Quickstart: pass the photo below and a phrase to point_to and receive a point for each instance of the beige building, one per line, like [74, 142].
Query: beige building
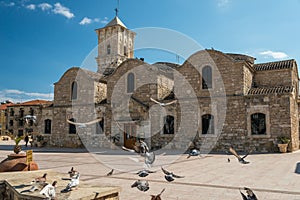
[217, 99]
[3, 117]
[17, 122]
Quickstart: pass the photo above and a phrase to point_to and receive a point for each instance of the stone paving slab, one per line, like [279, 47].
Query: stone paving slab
[271, 176]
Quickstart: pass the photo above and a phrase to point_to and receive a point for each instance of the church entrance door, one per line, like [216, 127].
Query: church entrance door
[129, 135]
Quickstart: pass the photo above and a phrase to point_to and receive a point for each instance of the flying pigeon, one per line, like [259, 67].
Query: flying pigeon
[163, 104]
[110, 173]
[144, 172]
[240, 159]
[29, 117]
[142, 185]
[49, 190]
[194, 152]
[157, 197]
[83, 125]
[169, 176]
[38, 183]
[250, 194]
[143, 150]
[149, 158]
[74, 182]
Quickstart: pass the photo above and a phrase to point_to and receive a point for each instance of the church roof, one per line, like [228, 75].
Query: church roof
[36, 102]
[91, 74]
[108, 71]
[241, 57]
[115, 21]
[284, 64]
[271, 90]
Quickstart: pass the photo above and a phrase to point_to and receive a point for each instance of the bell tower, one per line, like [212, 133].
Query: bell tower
[115, 44]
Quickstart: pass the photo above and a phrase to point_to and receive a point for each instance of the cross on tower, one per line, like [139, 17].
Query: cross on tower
[117, 9]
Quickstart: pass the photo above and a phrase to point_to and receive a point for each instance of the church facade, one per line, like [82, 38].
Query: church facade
[214, 99]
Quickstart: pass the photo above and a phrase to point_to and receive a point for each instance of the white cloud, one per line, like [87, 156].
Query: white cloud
[275, 55]
[12, 91]
[61, 10]
[104, 21]
[44, 6]
[85, 20]
[22, 96]
[223, 3]
[30, 7]
[10, 4]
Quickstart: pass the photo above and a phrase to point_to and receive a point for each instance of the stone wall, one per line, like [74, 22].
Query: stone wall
[274, 78]
[227, 101]
[248, 75]
[26, 127]
[294, 145]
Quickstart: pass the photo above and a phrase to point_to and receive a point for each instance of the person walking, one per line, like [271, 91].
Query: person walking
[26, 139]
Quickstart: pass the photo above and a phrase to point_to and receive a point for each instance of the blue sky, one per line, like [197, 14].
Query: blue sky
[40, 40]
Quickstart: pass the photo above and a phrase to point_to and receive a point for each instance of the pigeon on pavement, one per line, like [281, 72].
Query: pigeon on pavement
[194, 152]
[38, 183]
[49, 190]
[250, 194]
[240, 159]
[74, 182]
[110, 173]
[144, 172]
[169, 176]
[142, 185]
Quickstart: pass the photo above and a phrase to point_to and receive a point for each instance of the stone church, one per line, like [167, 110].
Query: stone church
[215, 99]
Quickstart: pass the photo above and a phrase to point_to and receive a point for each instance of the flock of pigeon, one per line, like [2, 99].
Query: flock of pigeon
[149, 157]
[48, 190]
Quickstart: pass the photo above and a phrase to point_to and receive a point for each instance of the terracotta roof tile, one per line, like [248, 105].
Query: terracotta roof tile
[32, 103]
[4, 106]
[271, 90]
[284, 64]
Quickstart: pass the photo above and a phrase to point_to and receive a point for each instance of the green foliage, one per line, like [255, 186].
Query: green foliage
[18, 140]
[283, 140]
[39, 138]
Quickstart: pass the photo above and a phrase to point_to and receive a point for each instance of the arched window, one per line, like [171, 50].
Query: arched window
[206, 77]
[108, 49]
[72, 127]
[258, 124]
[168, 125]
[31, 111]
[47, 126]
[74, 88]
[125, 51]
[12, 112]
[130, 83]
[208, 124]
[100, 127]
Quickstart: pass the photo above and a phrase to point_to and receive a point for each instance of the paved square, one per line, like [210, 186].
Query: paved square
[271, 176]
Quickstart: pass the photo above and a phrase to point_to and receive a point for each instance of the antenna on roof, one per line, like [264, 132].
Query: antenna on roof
[117, 9]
